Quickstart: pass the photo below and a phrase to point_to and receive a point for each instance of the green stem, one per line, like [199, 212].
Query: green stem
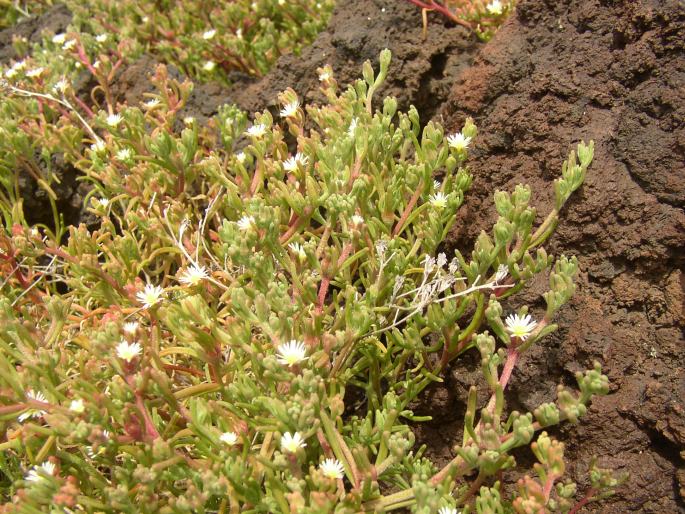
[544, 230]
[197, 390]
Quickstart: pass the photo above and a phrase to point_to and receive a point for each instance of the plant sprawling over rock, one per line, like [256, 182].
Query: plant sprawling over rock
[198, 347]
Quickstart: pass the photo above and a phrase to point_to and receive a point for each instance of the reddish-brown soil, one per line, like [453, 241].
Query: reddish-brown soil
[557, 72]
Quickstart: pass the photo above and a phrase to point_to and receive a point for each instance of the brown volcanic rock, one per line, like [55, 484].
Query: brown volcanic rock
[612, 71]
[422, 69]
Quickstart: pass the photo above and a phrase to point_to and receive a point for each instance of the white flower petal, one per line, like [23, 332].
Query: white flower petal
[245, 223]
[520, 326]
[229, 438]
[150, 296]
[37, 472]
[194, 275]
[127, 351]
[458, 141]
[292, 352]
[290, 109]
[292, 442]
[438, 200]
[332, 468]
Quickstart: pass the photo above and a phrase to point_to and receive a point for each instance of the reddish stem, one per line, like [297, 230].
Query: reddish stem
[294, 225]
[64, 112]
[326, 281]
[355, 172]
[84, 59]
[547, 490]
[512, 357]
[10, 409]
[114, 69]
[258, 177]
[84, 106]
[408, 209]
[586, 499]
[17, 271]
[433, 6]
[150, 429]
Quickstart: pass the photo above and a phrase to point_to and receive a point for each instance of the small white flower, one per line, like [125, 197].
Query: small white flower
[357, 220]
[302, 158]
[292, 163]
[209, 34]
[290, 109]
[241, 157]
[36, 473]
[448, 510]
[33, 413]
[292, 442]
[257, 130]
[495, 7]
[209, 66]
[520, 326]
[239, 33]
[68, 45]
[245, 223]
[150, 295]
[292, 352]
[98, 146]
[193, 275]
[229, 438]
[102, 202]
[35, 72]
[188, 120]
[436, 184]
[19, 65]
[442, 260]
[458, 141]
[352, 127]
[96, 64]
[94, 454]
[145, 19]
[131, 327]
[324, 76]
[438, 200]
[101, 38]
[61, 86]
[298, 250]
[332, 468]
[113, 120]
[11, 73]
[128, 351]
[77, 406]
[151, 103]
[124, 154]
[59, 39]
